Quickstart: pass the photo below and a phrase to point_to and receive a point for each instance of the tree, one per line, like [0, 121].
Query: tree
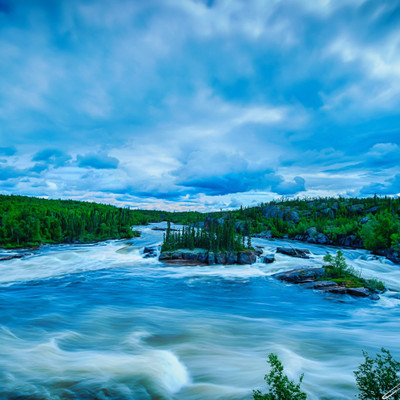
[377, 376]
[280, 386]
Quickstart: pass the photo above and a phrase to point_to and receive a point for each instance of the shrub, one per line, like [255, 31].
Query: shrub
[375, 377]
[280, 386]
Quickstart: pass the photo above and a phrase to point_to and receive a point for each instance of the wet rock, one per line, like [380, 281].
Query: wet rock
[211, 258]
[220, 258]
[11, 257]
[319, 285]
[269, 258]
[258, 251]
[263, 235]
[231, 257]
[391, 254]
[291, 251]
[301, 275]
[246, 257]
[149, 250]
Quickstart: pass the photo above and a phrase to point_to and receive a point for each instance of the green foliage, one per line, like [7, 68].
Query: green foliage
[376, 376]
[29, 221]
[215, 237]
[338, 271]
[280, 386]
[381, 232]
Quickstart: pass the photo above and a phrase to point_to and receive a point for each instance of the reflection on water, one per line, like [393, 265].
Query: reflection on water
[100, 321]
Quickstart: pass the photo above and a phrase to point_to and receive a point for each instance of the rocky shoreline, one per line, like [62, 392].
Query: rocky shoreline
[314, 278]
[205, 257]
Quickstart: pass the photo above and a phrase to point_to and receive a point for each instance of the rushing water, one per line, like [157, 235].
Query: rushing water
[102, 322]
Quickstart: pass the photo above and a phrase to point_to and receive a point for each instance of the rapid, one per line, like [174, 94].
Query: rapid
[100, 321]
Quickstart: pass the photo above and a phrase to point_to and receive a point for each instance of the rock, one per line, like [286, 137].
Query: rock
[11, 257]
[373, 210]
[211, 258]
[291, 251]
[292, 216]
[359, 292]
[319, 285]
[150, 255]
[246, 257]
[269, 258]
[350, 241]
[391, 254]
[149, 250]
[203, 256]
[263, 235]
[328, 212]
[356, 208]
[220, 258]
[258, 251]
[364, 220]
[335, 206]
[231, 257]
[272, 212]
[300, 275]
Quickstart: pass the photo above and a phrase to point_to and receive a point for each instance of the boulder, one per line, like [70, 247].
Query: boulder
[220, 258]
[319, 285]
[263, 235]
[328, 212]
[356, 208]
[292, 216]
[258, 251]
[291, 251]
[149, 250]
[272, 212]
[373, 210]
[269, 258]
[231, 257]
[301, 275]
[211, 258]
[364, 220]
[246, 257]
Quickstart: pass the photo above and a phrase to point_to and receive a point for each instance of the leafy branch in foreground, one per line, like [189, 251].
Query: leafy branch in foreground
[376, 377]
[280, 386]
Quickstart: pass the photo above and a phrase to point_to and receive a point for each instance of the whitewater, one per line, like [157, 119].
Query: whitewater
[101, 321]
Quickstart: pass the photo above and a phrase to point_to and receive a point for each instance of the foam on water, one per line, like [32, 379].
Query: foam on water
[101, 321]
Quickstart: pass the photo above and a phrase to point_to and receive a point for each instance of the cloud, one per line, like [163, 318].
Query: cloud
[54, 157]
[97, 161]
[7, 172]
[7, 151]
[389, 186]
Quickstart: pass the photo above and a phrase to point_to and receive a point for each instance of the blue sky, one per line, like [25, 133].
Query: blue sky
[195, 104]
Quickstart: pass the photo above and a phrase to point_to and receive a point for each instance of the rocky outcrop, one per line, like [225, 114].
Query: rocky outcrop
[391, 254]
[263, 235]
[11, 257]
[309, 278]
[150, 252]
[293, 252]
[311, 235]
[285, 213]
[205, 257]
[269, 258]
[301, 275]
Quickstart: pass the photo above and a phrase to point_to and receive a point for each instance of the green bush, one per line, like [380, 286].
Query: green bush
[376, 377]
[280, 386]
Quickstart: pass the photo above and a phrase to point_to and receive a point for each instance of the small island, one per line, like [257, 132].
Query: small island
[216, 244]
[334, 277]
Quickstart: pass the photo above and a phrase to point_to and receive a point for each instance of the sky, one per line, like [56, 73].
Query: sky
[199, 104]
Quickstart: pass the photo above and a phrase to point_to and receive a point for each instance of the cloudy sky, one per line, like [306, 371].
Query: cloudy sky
[199, 104]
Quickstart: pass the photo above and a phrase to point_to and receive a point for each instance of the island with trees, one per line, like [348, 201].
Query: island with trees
[214, 244]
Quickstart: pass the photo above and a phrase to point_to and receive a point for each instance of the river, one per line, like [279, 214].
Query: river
[102, 322]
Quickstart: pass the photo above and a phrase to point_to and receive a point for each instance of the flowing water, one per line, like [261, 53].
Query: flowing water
[103, 322]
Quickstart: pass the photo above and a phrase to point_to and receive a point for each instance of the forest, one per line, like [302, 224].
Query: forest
[373, 222]
[29, 221]
[213, 237]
